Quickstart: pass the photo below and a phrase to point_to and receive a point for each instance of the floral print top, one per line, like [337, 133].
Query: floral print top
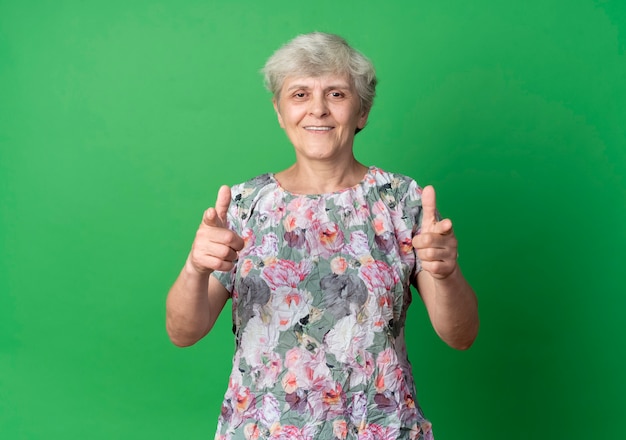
[319, 299]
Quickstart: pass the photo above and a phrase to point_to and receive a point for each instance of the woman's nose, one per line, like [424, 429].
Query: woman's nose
[318, 107]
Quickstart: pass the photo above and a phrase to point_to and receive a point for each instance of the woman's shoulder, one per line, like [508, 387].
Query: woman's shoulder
[246, 195]
[391, 180]
[256, 183]
[253, 188]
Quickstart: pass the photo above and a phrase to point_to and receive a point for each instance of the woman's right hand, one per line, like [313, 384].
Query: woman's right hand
[215, 247]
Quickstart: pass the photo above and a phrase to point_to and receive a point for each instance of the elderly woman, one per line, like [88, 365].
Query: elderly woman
[318, 260]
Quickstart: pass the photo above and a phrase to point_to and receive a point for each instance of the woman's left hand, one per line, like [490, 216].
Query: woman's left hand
[435, 243]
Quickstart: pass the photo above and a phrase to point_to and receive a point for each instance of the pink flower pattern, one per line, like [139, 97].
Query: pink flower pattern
[319, 297]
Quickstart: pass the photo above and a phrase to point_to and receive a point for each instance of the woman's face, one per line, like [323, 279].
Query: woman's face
[320, 116]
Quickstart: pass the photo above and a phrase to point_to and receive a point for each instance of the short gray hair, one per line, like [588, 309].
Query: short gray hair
[317, 54]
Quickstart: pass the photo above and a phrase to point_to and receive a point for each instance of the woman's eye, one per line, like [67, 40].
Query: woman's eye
[336, 94]
[299, 95]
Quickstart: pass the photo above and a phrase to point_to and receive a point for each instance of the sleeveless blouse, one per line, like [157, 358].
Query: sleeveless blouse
[319, 300]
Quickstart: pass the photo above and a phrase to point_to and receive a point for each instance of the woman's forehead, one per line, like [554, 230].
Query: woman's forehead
[322, 81]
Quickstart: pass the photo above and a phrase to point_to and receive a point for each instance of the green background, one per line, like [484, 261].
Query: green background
[120, 119]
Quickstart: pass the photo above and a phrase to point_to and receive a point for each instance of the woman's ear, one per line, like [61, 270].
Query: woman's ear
[363, 118]
[277, 110]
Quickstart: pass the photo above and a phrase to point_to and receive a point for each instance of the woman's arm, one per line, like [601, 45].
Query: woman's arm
[451, 303]
[196, 299]
[193, 305]
[452, 307]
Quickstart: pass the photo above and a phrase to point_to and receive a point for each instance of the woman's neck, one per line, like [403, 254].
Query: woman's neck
[321, 177]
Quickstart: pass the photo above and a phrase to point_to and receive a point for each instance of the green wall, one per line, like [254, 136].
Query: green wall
[120, 119]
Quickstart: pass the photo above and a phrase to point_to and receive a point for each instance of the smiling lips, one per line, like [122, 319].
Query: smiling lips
[317, 128]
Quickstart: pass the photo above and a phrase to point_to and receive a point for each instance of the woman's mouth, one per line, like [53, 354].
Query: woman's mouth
[318, 128]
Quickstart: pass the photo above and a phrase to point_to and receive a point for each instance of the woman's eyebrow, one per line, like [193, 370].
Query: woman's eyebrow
[297, 86]
[341, 86]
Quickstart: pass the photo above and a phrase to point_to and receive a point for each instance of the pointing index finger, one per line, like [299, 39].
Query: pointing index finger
[216, 216]
[222, 202]
[429, 206]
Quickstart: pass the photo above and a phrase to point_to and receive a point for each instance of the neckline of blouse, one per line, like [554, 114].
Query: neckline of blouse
[367, 178]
